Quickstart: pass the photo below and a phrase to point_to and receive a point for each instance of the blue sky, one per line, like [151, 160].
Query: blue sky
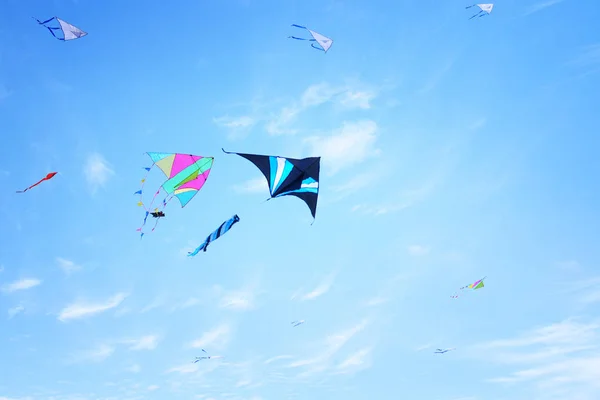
[451, 150]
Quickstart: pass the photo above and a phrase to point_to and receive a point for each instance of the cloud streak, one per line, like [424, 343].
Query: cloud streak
[559, 358]
[97, 171]
[22, 284]
[347, 146]
[82, 310]
[541, 6]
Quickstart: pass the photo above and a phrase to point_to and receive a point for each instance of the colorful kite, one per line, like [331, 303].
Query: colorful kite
[475, 285]
[225, 226]
[442, 351]
[296, 323]
[289, 176]
[49, 176]
[186, 174]
[324, 43]
[484, 9]
[69, 32]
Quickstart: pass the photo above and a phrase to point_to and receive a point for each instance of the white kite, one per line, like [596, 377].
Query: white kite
[324, 43]
[485, 9]
[69, 31]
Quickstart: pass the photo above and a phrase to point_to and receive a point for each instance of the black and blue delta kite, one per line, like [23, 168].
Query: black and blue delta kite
[289, 176]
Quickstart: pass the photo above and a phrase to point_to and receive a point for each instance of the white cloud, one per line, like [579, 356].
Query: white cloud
[332, 345]
[15, 310]
[135, 368]
[255, 185]
[435, 79]
[4, 92]
[406, 199]
[238, 126]
[376, 301]
[239, 122]
[217, 337]
[555, 359]
[238, 300]
[355, 362]
[418, 250]
[97, 171]
[184, 369]
[22, 284]
[100, 353]
[322, 288]
[357, 99]
[541, 6]
[67, 266]
[273, 359]
[346, 147]
[315, 95]
[148, 342]
[152, 388]
[80, 310]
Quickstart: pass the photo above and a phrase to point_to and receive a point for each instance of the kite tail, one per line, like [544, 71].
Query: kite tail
[51, 29]
[478, 14]
[315, 47]
[34, 185]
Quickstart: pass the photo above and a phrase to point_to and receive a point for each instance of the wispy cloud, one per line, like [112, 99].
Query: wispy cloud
[238, 127]
[564, 357]
[586, 291]
[418, 250]
[255, 185]
[67, 266]
[15, 310]
[22, 284]
[406, 199]
[315, 95]
[81, 309]
[148, 342]
[322, 288]
[331, 346]
[355, 362]
[541, 6]
[184, 369]
[134, 368]
[97, 171]
[4, 92]
[217, 337]
[98, 354]
[435, 79]
[346, 147]
[241, 300]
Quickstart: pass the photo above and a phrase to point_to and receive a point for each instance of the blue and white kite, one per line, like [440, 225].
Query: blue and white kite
[442, 351]
[225, 226]
[323, 42]
[69, 32]
[484, 9]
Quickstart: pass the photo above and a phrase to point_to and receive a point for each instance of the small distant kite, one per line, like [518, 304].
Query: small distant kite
[69, 32]
[289, 176]
[296, 323]
[186, 175]
[205, 357]
[225, 226]
[475, 285]
[324, 43]
[49, 176]
[442, 351]
[484, 9]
